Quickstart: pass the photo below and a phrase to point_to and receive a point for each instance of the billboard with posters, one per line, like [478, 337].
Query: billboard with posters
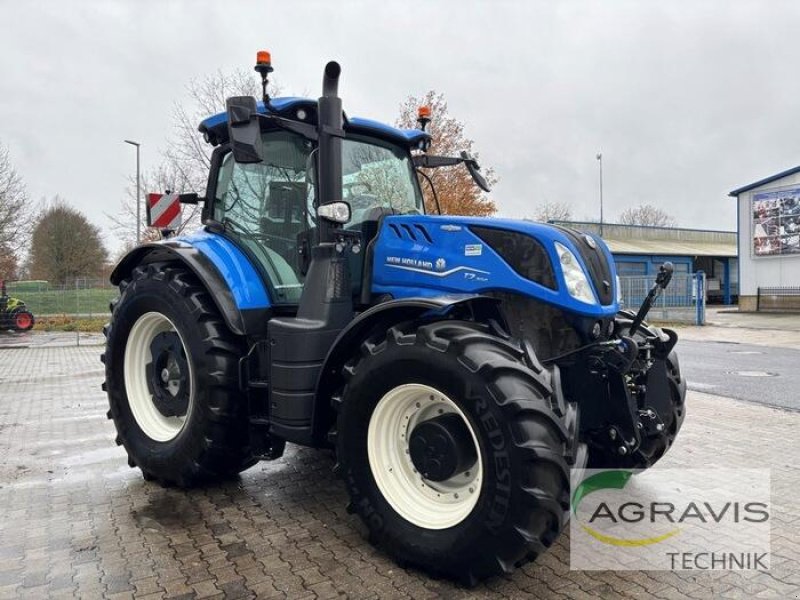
[776, 223]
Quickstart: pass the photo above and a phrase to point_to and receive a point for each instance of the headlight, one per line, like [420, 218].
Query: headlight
[577, 284]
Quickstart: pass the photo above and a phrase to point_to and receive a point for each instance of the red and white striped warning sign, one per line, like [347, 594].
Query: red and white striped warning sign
[164, 211]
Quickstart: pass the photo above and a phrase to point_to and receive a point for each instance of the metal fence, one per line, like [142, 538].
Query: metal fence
[678, 303]
[83, 297]
[778, 298]
[86, 297]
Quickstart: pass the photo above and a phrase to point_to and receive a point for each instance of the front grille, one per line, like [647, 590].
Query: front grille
[523, 253]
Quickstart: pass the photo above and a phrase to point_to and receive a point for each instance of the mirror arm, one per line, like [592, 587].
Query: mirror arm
[307, 131]
[191, 198]
[429, 161]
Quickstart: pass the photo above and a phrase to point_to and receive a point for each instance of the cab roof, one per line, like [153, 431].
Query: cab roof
[215, 127]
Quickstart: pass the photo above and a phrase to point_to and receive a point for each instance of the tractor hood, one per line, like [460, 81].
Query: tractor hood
[426, 255]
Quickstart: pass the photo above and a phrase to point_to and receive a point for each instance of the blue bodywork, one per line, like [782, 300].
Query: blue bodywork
[442, 257]
[455, 260]
[244, 282]
[216, 126]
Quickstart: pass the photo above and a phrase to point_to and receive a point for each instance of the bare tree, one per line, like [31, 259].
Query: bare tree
[458, 194]
[16, 216]
[552, 211]
[9, 265]
[647, 214]
[65, 245]
[185, 162]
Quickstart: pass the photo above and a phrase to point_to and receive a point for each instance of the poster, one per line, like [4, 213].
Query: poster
[776, 223]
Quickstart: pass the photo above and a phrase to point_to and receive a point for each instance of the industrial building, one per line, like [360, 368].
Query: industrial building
[639, 250]
[769, 242]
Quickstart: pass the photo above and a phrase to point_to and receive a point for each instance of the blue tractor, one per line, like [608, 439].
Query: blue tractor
[458, 367]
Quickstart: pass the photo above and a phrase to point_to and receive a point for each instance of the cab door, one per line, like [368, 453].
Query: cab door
[267, 208]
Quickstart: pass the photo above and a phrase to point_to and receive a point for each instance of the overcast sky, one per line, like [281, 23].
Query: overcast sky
[686, 100]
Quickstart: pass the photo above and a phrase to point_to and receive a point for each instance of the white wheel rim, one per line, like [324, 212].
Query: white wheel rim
[427, 504]
[155, 425]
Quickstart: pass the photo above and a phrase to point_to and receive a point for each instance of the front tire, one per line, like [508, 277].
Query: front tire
[172, 380]
[498, 501]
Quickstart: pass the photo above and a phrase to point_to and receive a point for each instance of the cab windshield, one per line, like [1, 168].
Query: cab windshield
[270, 205]
[378, 176]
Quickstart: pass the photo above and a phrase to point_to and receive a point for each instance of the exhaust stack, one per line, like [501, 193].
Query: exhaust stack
[329, 157]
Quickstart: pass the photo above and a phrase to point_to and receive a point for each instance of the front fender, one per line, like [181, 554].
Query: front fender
[223, 269]
[383, 316]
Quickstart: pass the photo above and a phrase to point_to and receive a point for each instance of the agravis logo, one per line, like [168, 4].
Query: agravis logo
[671, 517]
[610, 480]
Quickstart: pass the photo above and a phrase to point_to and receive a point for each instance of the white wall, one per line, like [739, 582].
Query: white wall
[763, 271]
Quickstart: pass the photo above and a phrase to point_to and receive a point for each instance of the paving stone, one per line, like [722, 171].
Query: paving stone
[78, 522]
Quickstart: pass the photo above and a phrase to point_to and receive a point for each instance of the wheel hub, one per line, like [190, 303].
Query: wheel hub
[166, 374]
[440, 484]
[441, 447]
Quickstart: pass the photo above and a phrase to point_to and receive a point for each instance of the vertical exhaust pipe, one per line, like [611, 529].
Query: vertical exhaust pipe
[327, 298]
[330, 79]
[329, 157]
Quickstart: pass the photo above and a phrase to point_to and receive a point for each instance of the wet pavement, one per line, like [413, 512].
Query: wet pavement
[76, 521]
[49, 339]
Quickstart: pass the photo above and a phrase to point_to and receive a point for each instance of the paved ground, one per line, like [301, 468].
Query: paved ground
[76, 521]
[729, 316]
[780, 330]
[48, 339]
[762, 374]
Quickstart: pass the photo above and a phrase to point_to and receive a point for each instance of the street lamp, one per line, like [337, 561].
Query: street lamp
[600, 160]
[138, 194]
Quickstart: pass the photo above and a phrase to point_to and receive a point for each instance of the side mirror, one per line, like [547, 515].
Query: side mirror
[243, 129]
[474, 170]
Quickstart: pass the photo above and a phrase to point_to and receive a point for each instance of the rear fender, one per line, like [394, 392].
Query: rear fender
[382, 317]
[238, 293]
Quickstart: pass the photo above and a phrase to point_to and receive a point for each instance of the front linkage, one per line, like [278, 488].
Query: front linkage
[630, 389]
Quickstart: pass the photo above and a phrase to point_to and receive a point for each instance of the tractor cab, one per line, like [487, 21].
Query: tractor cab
[269, 208]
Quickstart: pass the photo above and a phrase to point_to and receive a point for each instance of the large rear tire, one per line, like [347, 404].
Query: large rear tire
[506, 499]
[172, 380]
[22, 319]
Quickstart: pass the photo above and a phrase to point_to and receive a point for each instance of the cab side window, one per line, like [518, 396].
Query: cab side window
[267, 205]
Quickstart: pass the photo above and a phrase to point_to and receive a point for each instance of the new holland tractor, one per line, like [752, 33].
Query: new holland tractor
[459, 367]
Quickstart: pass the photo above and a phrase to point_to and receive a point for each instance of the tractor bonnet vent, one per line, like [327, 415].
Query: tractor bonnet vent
[411, 231]
[523, 253]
